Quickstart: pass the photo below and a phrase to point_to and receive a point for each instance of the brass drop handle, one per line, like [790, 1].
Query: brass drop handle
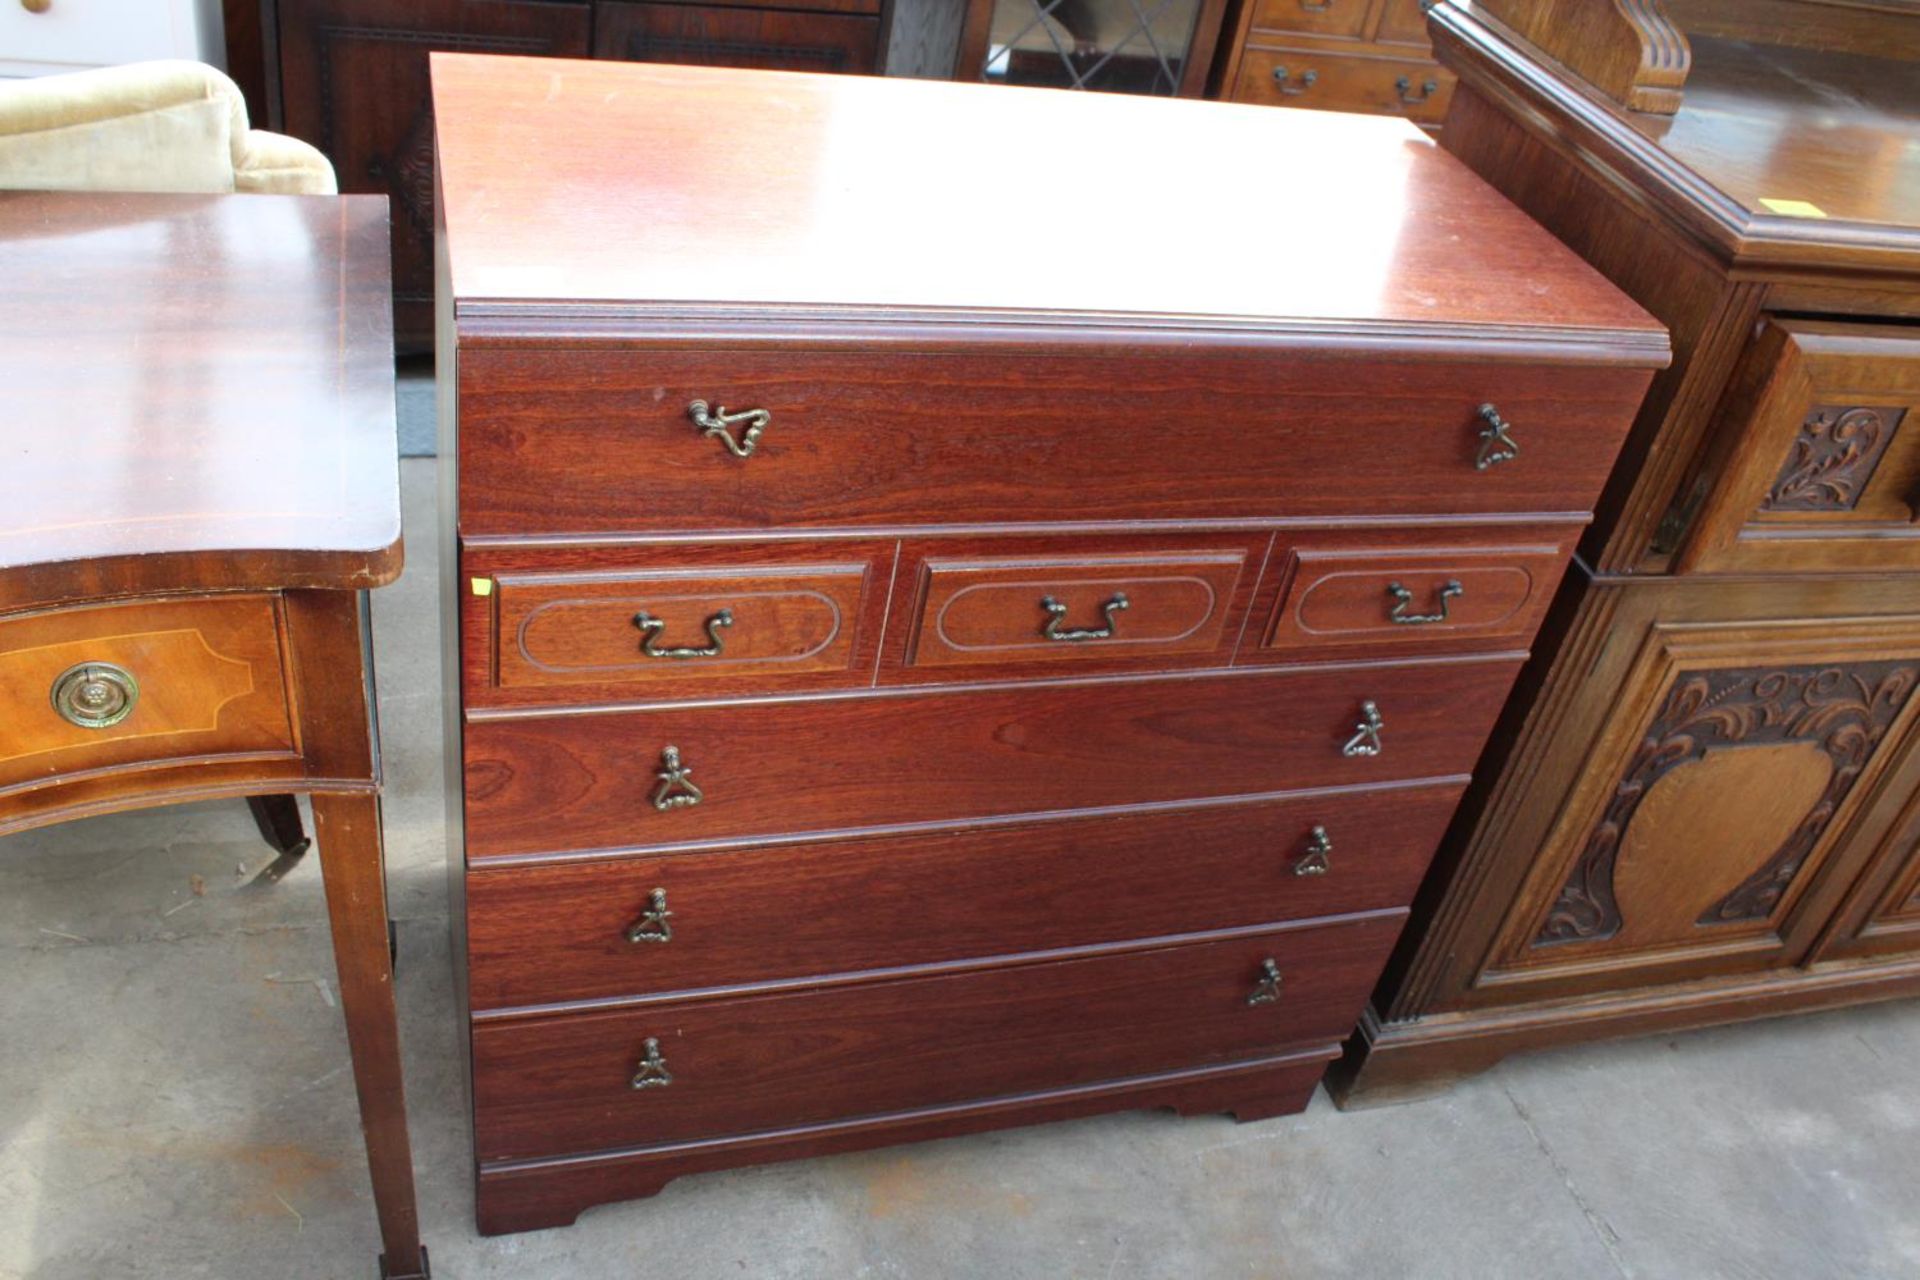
[652, 926]
[651, 627]
[1056, 611]
[95, 695]
[1404, 85]
[675, 789]
[1267, 990]
[1366, 736]
[1403, 597]
[1318, 859]
[715, 421]
[1497, 444]
[651, 1072]
[1307, 81]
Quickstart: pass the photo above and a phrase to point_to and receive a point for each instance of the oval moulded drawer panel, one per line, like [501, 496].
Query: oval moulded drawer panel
[1351, 594]
[776, 767]
[684, 621]
[185, 678]
[582, 931]
[985, 607]
[549, 1086]
[595, 440]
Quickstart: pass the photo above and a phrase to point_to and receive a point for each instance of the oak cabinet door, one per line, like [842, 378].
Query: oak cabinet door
[353, 77]
[1882, 915]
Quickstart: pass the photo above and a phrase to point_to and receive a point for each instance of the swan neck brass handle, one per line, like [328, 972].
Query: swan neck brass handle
[1056, 611]
[1267, 989]
[715, 421]
[1403, 598]
[95, 695]
[651, 1071]
[1282, 78]
[675, 789]
[1497, 444]
[1366, 733]
[1318, 859]
[652, 926]
[651, 627]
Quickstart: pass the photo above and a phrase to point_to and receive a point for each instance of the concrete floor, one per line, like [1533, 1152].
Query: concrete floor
[174, 1102]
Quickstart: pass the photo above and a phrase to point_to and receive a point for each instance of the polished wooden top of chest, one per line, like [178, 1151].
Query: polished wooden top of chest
[196, 392]
[622, 187]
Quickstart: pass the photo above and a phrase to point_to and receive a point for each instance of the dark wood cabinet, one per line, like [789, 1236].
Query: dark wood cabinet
[350, 76]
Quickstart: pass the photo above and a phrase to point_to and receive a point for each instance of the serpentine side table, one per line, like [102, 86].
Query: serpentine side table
[200, 485]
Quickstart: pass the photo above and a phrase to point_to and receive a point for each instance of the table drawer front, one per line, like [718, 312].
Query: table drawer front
[1079, 604]
[548, 1086]
[1822, 466]
[678, 622]
[1410, 87]
[1370, 594]
[583, 931]
[600, 440]
[658, 778]
[111, 686]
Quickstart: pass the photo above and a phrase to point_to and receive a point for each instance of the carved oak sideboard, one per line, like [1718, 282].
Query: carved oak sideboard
[1704, 805]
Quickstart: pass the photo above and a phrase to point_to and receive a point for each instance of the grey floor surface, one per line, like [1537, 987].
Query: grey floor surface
[174, 1102]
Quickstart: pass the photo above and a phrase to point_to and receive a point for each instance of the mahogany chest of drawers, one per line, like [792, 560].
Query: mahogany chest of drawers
[903, 687]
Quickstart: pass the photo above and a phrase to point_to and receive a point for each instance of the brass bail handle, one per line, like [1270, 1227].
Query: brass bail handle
[1267, 989]
[654, 923]
[675, 789]
[715, 421]
[1497, 444]
[1366, 733]
[651, 627]
[651, 1071]
[1056, 611]
[1318, 859]
[1403, 598]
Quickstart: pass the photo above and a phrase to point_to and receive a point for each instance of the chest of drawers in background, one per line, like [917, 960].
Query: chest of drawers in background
[1370, 56]
[897, 691]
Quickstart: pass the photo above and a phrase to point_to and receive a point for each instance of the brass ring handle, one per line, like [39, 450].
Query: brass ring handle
[1366, 736]
[1267, 990]
[1056, 611]
[652, 925]
[1497, 444]
[1318, 859]
[1404, 86]
[675, 789]
[651, 627]
[651, 1071]
[717, 422]
[1403, 597]
[95, 695]
[1307, 81]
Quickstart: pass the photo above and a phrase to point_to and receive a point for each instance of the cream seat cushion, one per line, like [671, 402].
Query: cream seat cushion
[146, 126]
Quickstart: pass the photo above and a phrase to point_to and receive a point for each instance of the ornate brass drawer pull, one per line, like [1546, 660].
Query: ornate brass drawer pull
[652, 925]
[1497, 444]
[1056, 611]
[95, 695]
[1307, 81]
[1403, 598]
[651, 1073]
[1404, 86]
[676, 789]
[717, 421]
[1366, 737]
[1267, 990]
[1318, 859]
[651, 627]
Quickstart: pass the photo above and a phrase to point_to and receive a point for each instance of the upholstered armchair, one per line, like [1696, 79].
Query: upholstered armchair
[147, 126]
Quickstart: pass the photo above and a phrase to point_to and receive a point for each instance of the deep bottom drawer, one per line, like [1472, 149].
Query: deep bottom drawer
[553, 933]
[589, 1082]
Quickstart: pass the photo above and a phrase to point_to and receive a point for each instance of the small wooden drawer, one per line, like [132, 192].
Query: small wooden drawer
[585, 1082]
[1819, 462]
[1343, 19]
[612, 780]
[1407, 591]
[778, 913]
[607, 440]
[688, 620]
[85, 690]
[1415, 88]
[982, 606]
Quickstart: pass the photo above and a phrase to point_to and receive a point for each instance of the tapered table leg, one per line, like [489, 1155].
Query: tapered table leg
[353, 863]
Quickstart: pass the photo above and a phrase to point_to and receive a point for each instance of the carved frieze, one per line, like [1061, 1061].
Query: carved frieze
[1833, 458]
